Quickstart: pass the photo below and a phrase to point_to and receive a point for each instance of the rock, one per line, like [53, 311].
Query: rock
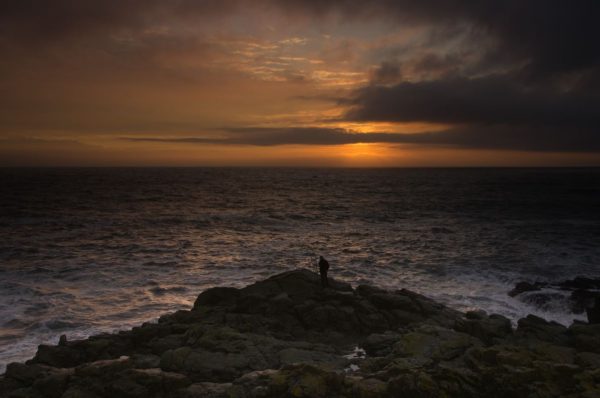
[217, 296]
[59, 356]
[365, 388]
[380, 344]
[593, 313]
[100, 369]
[544, 300]
[305, 381]
[157, 379]
[579, 293]
[145, 361]
[207, 390]
[290, 356]
[582, 300]
[162, 344]
[581, 283]
[299, 285]
[586, 337]
[588, 360]
[487, 329]
[205, 365]
[434, 343]
[254, 384]
[478, 314]
[537, 328]
[23, 373]
[53, 384]
[522, 287]
[286, 336]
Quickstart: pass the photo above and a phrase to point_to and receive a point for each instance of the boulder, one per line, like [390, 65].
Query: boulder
[217, 296]
[534, 327]
[522, 287]
[380, 344]
[486, 328]
[434, 343]
[586, 337]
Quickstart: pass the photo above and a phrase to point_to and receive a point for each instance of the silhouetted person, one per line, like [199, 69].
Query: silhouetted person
[593, 313]
[323, 268]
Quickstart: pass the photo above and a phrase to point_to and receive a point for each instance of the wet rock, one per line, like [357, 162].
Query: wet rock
[586, 337]
[477, 314]
[522, 287]
[584, 300]
[581, 283]
[593, 312]
[537, 328]
[578, 294]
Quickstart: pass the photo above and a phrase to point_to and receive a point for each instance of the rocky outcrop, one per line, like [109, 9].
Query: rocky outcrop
[579, 294]
[287, 336]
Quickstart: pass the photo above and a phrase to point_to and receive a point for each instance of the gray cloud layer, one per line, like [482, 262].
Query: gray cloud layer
[492, 137]
[555, 36]
[488, 100]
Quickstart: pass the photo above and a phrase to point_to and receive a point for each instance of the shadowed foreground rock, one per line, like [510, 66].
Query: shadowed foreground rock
[288, 337]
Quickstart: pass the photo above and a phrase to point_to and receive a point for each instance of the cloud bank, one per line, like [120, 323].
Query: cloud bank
[516, 75]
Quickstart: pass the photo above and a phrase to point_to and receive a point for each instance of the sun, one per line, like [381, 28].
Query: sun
[367, 154]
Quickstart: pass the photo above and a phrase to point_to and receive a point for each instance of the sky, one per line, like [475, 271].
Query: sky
[347, 83]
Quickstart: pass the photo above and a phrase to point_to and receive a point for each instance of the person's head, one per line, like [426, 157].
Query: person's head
[321, 258]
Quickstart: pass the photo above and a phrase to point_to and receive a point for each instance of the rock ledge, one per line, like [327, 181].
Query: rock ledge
[286, 336]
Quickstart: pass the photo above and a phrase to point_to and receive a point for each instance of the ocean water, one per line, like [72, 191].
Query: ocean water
[84, 251]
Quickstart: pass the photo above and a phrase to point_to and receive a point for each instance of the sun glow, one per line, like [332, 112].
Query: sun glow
[367, 154]
[381, 127]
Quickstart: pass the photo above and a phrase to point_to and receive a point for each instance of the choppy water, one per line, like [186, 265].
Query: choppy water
[90, 250]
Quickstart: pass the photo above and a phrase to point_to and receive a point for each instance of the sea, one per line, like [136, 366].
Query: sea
[91, 250]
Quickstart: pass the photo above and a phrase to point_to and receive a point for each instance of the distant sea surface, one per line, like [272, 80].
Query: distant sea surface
[84, 251]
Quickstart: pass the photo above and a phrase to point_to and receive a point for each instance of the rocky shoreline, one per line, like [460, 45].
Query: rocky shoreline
[286, 336]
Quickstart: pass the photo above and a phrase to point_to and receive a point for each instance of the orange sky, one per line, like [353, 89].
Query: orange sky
[195, 89]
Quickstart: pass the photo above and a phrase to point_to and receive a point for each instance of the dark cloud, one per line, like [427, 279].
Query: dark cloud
[387, 72]
[39, 20]
[487, 100]
[551, 139]
[550, 36]
[555, 36]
